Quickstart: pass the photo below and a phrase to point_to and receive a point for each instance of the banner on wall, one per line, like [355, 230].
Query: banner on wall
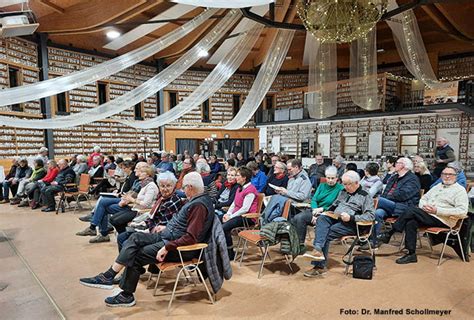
[446, 92]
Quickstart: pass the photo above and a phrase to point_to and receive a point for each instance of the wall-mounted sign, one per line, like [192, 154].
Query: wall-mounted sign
[443, 93]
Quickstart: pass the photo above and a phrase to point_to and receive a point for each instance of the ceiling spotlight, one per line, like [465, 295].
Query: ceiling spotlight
[113, 34]
[203, 53]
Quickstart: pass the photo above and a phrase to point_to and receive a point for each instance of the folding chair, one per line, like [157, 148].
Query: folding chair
[359, 238]
[83, 191]
[253, 236]
[186, 267]
[449, 231]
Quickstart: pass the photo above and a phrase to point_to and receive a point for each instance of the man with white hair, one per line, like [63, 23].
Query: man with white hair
[165, 164]
[338, 162]
[441, 207]
[43, 155]
[189, 226]
[401, 192]
[95, 153]
[444, 155]
[352, 205]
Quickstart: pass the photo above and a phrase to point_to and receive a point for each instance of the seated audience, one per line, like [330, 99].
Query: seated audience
[11, 173]
[207, 177]
[390, 167]
[259, 179]
[402, 191]
[461, 176]
[214, 164]
[131, 204]
[271, 166]
[151, 162]
[441, 206]
[261, 164]
[188, 166]
[80, 166]
[65, 175]
[351, 206]
[25, 185]
[189, 226]
[109, 163]
[352, 166]
[43, 155]
[166, 205]
[316, 170]
[95, 153]
[165, 164]
[278, 178]
[298, 190]
[246, 199]
[323, 198]
[371, 181]
[240, 160]
[96, 171]
[338, 162]
[34, 192]
[22, 172]
[179, 163]
[424, 175]
[227, 192]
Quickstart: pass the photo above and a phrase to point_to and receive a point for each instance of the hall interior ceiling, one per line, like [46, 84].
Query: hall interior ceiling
[447, 28]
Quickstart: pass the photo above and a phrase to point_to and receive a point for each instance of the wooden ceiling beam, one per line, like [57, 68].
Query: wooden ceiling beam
[53, 6]
[89, 16]
[459, 16]
[443, 23]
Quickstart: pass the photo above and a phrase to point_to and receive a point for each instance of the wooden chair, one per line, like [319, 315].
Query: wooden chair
[83, 191]
[454, 231]
[253, 236]
[186, 267]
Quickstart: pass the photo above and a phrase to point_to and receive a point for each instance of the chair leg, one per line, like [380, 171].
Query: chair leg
[237, 249]
[419, 240]
[149, 280]
[263, 262]
[442, 250]
[156, 284]
[346, 271]
[205, 285]
[288, 263]
[243, 252]
[462, 250]
[174, 290]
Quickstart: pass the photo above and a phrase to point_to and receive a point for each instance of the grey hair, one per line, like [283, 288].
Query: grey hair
[194, 179]
[456, 165]
[96, 149]
[82, 158]
[43, 149]
[352, 175]
[282, 165]
[331, 171]
[96, 157]
[407, 163]
[202, 166]
[167, 176]
[339, 159]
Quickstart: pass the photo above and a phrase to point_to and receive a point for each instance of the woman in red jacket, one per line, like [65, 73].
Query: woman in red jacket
[35, 191]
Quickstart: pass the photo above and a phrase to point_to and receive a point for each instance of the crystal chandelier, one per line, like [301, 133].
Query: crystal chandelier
[340, 21]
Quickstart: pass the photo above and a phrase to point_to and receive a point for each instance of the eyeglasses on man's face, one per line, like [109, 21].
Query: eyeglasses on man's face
[448, 174]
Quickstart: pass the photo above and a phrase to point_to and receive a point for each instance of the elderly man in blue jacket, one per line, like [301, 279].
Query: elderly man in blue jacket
[402, 192]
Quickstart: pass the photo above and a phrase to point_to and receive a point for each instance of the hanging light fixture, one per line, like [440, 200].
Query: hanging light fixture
[340, 21]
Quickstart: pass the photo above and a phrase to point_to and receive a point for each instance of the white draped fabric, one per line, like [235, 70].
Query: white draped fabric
[138, 94]
[321, 98]
[266, 75]
[410, 45]
[363, 72]
[77, 79]
[213, 82]
[224, 3]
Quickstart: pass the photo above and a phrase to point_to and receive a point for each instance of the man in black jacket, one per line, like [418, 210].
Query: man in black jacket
[66, 175]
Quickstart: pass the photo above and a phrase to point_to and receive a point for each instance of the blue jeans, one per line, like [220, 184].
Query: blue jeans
[385, 208]
[104, 207]
[328, 229]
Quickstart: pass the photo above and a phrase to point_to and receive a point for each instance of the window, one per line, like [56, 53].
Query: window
[269, 102]
[139, 111]
[235, 103]
[14, 81]
[62, 105]
[103, 92]
[206, 117]
[173, 99]
[350, 145]
[408, 144]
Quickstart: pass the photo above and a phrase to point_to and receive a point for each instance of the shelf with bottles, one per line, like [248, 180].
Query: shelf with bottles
[456, 68]
[19, 51]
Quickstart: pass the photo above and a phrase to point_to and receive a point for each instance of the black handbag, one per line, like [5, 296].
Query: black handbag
[362, 267]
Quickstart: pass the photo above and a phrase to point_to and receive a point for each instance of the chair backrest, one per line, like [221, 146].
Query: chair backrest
[84, 182]
[323, 180]
[260, 198]
[458, 224]
[286, 209]
[469, 186]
